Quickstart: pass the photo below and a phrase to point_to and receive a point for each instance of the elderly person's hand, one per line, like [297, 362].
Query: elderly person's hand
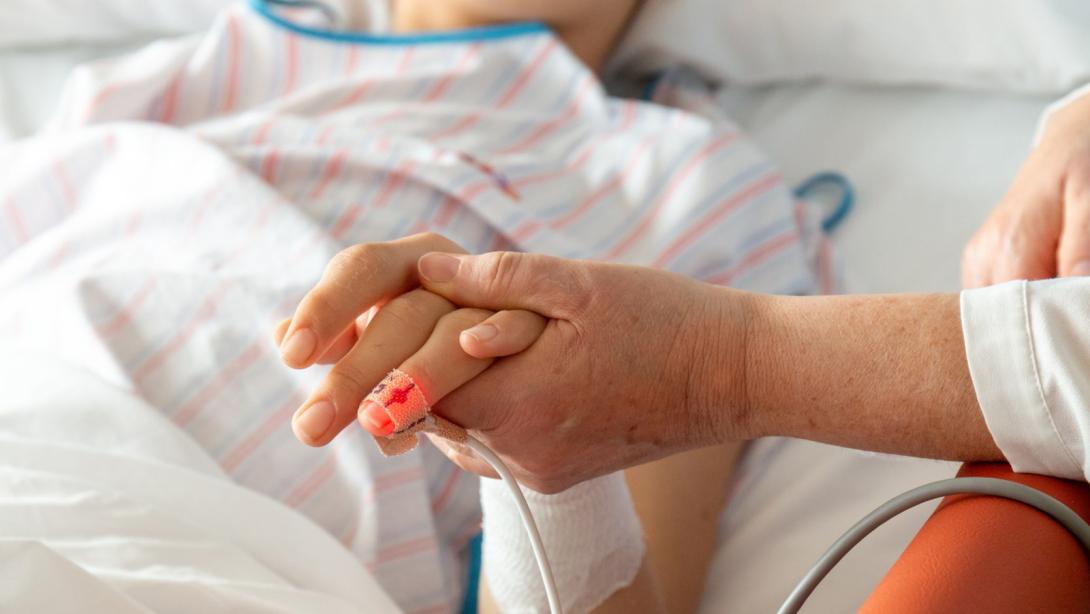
[632, 363]
[626, 370]
[630, 366]
[1041, 228]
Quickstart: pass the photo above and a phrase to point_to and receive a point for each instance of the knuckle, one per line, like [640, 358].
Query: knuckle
[428, 236]
[351, 257]
[356, 264]
[1017, 241]
[565, 285]
[401, 313]
[498, 271]
[347, 377]
[435, 242]
[572, 341]
[971, 255]
[415, 309]
[574, 291]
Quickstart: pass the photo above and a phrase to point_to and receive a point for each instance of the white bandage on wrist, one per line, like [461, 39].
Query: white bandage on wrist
[591, 534]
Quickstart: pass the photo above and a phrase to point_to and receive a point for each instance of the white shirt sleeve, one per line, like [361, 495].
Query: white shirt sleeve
[1028, 345]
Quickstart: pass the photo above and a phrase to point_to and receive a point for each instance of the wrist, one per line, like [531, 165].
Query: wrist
[721, 376]
[767, 370]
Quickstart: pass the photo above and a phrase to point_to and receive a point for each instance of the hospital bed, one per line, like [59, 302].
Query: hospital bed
[927, 164]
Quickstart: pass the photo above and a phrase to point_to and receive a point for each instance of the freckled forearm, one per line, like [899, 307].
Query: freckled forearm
[881, 372]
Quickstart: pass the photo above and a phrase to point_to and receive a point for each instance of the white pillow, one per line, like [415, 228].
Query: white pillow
[37, 23]
[1038, 46]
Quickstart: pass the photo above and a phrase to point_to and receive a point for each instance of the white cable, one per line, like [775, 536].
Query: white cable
[984, 486]
[527, 520]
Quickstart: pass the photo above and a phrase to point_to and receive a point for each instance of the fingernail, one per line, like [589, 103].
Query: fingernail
[438, 267]
[298, 347]
[482, 332]
[375, 419]
[1081, 269]
[315, 420]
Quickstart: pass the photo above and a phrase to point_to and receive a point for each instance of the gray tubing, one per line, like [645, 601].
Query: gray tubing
[954, 486]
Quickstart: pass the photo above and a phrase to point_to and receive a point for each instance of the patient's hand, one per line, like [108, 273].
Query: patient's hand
[423, 334]
[1041, 228]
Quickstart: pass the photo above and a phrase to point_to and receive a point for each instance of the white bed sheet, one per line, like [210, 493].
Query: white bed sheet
[31, 81]
[927, 166]
[118, 507]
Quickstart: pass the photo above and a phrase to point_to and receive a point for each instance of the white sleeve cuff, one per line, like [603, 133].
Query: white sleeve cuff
[591, 534]
[1002, 361]
[1056, 106]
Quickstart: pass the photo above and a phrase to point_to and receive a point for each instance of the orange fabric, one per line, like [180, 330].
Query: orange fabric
[986, 554]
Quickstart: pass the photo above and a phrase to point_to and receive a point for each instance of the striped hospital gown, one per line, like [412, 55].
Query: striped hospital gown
[186, 196]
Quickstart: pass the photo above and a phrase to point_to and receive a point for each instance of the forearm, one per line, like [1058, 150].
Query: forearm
[882, 373]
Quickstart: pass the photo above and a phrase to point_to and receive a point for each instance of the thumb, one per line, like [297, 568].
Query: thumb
[1074, 249]
[552, 287]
